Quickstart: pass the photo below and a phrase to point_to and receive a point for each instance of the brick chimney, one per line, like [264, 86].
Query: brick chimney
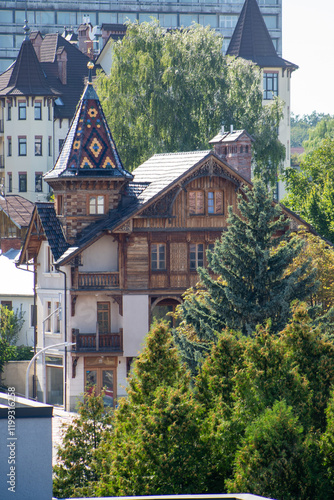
[62, 65]
[36, 40]
[235, 148]
[84, 41]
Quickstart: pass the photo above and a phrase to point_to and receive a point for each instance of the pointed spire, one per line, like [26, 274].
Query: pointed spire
[251, 39]
[26, 75]
[89, 148]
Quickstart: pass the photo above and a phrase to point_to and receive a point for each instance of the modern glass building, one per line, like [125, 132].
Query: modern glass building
[52, 16]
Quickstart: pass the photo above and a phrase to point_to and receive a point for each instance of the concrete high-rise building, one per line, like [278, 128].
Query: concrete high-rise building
[49, 16]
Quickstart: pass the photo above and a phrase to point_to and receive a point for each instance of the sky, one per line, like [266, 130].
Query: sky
[308, 41]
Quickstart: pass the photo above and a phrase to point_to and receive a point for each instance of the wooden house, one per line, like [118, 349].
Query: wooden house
[118, 248]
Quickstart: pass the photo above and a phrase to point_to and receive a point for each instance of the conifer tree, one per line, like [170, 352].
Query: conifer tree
[155, 445]
[250, 283]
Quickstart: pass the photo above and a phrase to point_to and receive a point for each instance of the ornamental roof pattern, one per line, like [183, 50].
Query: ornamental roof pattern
[251, 39]
[89, 148]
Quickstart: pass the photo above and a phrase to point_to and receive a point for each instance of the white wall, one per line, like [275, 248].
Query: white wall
[101, 256]
[135, 323]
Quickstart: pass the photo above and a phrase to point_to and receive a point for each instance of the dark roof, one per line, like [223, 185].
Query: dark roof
[251, 39]
[229, 136]
[18, 209]
[89, 149]
[52, 228]
[151, 180]
[26, 75]
[70, 92]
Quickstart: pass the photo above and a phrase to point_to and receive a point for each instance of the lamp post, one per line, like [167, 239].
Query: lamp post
[42, 351]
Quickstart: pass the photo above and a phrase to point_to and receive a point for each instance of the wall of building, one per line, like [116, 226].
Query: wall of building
[135, 323]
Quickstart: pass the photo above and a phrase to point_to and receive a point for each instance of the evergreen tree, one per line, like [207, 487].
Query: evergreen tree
[274, 460]
[75, 470]
[250, 283]
[155, 444]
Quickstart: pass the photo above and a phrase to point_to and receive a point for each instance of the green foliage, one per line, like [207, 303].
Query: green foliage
[323, 130]
[302, 125]
[6, 352]
[270, 461]
[170, 91]
[155, 444]
[11, 323]
[74, 469]
[250, 283]
[304, 185]
[21, 353]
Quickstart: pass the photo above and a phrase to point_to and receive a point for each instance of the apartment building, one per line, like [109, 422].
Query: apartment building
[49, 16]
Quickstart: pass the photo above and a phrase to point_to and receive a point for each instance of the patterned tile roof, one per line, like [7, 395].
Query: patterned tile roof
[89, 149]
[26, 76]
[18, 209]
[52, 228]
[251, 39]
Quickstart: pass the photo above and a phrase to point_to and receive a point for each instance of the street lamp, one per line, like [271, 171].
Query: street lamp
[67, 344]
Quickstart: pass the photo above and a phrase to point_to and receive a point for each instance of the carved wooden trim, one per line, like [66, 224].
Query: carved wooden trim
[73, 302]
[125, 228]
[118, 299]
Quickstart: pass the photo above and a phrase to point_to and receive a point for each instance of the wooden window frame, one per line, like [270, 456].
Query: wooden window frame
[215, 192]
[95, 198]
[194, 248]
[107, 310]
[197, 193]
[161, 263]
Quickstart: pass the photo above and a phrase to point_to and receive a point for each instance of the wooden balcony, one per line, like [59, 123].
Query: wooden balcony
[97, 342]
[98, 281]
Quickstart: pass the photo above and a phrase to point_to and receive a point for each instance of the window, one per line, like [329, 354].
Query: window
[10, 182]
[49, 112]
[196, 256]
[196, 202]
[7, 303]
[22, 110]
[103, 317]
[38, 182]
[33, 315]
[57, 318]
[38, 110]
[158, 257]
[96, 205]
[9, 146]
[270, 85]
[215, 202]
[60, 144]
[48, 317]
[60, 204]
[22, 182]
[38, 146]
[50, 146]
[9, 111]
[228, 21]
[48, 260]
[22, 146]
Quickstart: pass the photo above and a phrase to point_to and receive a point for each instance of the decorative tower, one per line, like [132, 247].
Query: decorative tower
[251, 41]
[88, 177]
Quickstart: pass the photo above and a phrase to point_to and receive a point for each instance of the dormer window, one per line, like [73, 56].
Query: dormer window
[96, 205]
[215, 202]
[196, 202]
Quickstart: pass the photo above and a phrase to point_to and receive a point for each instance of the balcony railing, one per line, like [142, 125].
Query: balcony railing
[97, 342]
[98, 280]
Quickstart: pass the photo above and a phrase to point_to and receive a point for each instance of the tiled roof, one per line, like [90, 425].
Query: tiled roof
[18, 209]
[52, 228]
[26, 76]
[163, 169]
[251, 39]
[76, 72]
[89, 149]
[229, 136]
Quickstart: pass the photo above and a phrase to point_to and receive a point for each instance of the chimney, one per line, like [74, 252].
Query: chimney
[62, 65]
[36, 40]
[236, 151]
